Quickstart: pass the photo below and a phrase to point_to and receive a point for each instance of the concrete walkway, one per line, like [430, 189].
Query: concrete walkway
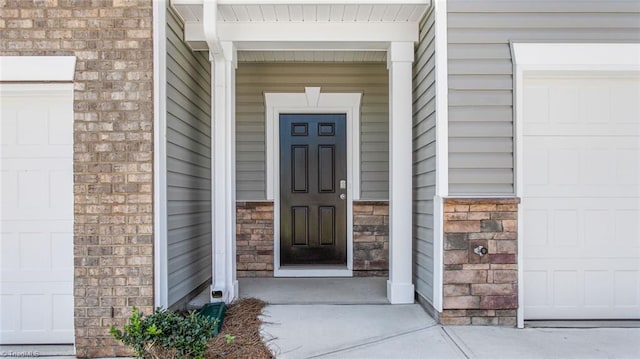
[406, 331]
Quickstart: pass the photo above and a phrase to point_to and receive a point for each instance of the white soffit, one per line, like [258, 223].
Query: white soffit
[309, 25]
[307, 11]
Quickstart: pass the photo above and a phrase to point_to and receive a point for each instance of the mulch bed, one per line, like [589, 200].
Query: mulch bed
[242, 320]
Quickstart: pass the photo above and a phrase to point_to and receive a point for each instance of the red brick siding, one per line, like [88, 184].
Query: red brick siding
[480, 290]
[113, 149]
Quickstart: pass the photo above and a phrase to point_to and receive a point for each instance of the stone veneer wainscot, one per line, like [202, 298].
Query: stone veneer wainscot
[254, 239]
[480, 290]
[370, 238]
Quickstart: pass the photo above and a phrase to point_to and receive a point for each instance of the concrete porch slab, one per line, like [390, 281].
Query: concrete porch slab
[309, 331]
[357, 290]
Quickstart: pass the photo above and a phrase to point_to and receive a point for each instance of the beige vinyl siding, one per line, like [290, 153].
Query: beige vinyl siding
[188, 165]
[424, 152]
[480, 75]
[255, 79]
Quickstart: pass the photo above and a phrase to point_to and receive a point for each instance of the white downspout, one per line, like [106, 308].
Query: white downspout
[222, 57]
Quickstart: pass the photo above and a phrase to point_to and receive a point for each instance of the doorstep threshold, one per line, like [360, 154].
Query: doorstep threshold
[320, 270]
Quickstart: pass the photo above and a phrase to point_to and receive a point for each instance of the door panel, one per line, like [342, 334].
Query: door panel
[313, 217]
[36, 217]
[581, 197]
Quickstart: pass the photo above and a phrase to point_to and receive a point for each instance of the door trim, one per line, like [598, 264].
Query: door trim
[310, 102]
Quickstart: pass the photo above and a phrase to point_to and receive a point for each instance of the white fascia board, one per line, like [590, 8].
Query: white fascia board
[311, 46]
[318, 32]
[194, 35]
[37, 68]
[187, 2]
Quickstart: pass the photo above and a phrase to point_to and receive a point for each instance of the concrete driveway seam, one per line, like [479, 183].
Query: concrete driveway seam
[361, 344]
[459, 343]
[369, 342]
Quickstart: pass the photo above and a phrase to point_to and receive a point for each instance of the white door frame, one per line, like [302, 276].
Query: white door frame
[312, 101]
[532, 58]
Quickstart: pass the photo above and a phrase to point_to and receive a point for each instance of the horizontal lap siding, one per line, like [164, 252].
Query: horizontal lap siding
[480, 74]
[424, 152]
[255, 79]
[188, 165]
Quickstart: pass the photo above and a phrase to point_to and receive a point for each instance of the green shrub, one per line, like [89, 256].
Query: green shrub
[165, 334]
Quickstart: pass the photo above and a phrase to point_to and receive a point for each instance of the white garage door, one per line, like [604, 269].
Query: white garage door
[581, 197]
[36, 219]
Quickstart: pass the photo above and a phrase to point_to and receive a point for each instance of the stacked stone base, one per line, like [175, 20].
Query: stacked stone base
[371, 239]
[480, 290]
[254, 239]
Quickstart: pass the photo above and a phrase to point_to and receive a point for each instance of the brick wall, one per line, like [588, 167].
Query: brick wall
[254, 239]
[480, 290]
[113, 134]
[371, 238]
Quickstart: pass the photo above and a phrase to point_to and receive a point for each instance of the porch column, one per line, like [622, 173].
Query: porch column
[223, 173]
[400, 288]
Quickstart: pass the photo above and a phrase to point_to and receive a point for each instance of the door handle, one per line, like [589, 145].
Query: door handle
[343, 196]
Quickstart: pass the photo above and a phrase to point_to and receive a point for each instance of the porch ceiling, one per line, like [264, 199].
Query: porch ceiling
[307, 11]
[349, 26]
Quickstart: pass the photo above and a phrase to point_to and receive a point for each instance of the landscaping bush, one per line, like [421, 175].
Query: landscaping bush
[165, 334]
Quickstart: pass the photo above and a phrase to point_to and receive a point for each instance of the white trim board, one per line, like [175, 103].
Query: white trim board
[442, 149]
[535, 58]
[37, 68]
[312, 101]
[161, 286]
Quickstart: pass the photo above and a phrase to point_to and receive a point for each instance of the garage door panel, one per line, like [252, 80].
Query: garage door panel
[627, 161]
[36, 256]
[36, 272]
[581, 197]
[577, 290]
[625, 101]
[37, 194]
[608, 105]
[581, 166]
[581, 227]
[37, 315]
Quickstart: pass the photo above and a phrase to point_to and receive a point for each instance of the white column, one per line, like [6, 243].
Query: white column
[223, 173]
[400, 288]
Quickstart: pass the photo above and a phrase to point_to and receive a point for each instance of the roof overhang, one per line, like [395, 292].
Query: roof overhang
[274, 25]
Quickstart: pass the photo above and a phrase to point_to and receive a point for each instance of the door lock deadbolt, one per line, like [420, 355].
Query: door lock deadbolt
[343, 196]
[480, 250]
